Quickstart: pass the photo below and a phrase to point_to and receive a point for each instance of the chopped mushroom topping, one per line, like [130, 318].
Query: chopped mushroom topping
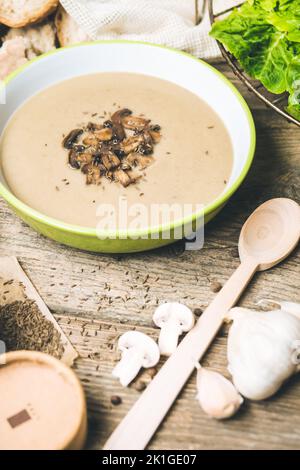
[117, 126]
[118, 149]
[71, 138]
[143, 161]
[104, 134]
[131, 159]
[93, 175]
[123, 178]
[110, 161]
[133, 122]
[73, 159]
[131, 144]
[134, 176]
[93, 126]
[154, 131]
[90, 140]
[84, 158]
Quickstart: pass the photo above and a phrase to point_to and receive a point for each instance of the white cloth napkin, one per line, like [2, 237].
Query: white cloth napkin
[167, 22]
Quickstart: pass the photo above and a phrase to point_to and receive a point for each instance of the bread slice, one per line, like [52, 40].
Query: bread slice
[38, 39]
[12, 56]
[68, 31]
[19, 13]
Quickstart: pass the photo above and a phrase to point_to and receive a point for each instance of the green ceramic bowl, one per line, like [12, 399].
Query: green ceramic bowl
[132, 57]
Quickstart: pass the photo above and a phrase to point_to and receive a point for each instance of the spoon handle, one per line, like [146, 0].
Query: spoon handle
[141, 422]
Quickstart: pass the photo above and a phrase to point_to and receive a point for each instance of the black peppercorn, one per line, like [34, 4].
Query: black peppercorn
[116, 400]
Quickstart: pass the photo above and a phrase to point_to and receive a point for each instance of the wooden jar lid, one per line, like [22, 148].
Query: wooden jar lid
[42, 403]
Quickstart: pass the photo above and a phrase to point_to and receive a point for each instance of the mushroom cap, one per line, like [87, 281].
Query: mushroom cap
[136, 339]
[119, 114]
[175, 311]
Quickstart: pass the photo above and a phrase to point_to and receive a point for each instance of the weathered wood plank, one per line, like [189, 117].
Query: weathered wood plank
[258, 425]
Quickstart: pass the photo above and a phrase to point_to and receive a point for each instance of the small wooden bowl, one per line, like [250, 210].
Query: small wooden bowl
[42, 404]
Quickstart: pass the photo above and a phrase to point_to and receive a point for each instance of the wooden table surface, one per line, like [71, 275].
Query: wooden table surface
[98, 297]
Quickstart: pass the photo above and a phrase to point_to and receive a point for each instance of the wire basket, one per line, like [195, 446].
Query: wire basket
[276, 102]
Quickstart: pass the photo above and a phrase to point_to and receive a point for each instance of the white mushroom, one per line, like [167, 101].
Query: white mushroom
[174, 319]
[138, 350]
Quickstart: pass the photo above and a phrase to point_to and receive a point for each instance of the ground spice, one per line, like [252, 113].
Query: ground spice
[11, 290]
[22, 326]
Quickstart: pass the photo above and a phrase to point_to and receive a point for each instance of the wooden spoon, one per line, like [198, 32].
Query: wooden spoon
[267, 237]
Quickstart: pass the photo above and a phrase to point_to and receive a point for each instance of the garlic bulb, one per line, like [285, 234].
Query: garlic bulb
[217, 396]
[261, 349]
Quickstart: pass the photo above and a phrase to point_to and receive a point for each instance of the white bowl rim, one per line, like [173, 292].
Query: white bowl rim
[93, 232]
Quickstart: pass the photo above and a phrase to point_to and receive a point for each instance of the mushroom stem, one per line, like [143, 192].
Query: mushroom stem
[168, 338]
[129, 366]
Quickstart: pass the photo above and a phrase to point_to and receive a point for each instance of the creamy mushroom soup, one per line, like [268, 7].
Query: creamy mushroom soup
[174, 148]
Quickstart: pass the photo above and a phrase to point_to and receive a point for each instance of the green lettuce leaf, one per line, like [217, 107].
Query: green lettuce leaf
[266, 5]
[264, 35]
[293, 82]
[270, 5]
[286, 18]
[263, 51]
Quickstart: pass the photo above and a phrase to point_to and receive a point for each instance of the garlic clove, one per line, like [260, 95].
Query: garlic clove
[217, 396]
